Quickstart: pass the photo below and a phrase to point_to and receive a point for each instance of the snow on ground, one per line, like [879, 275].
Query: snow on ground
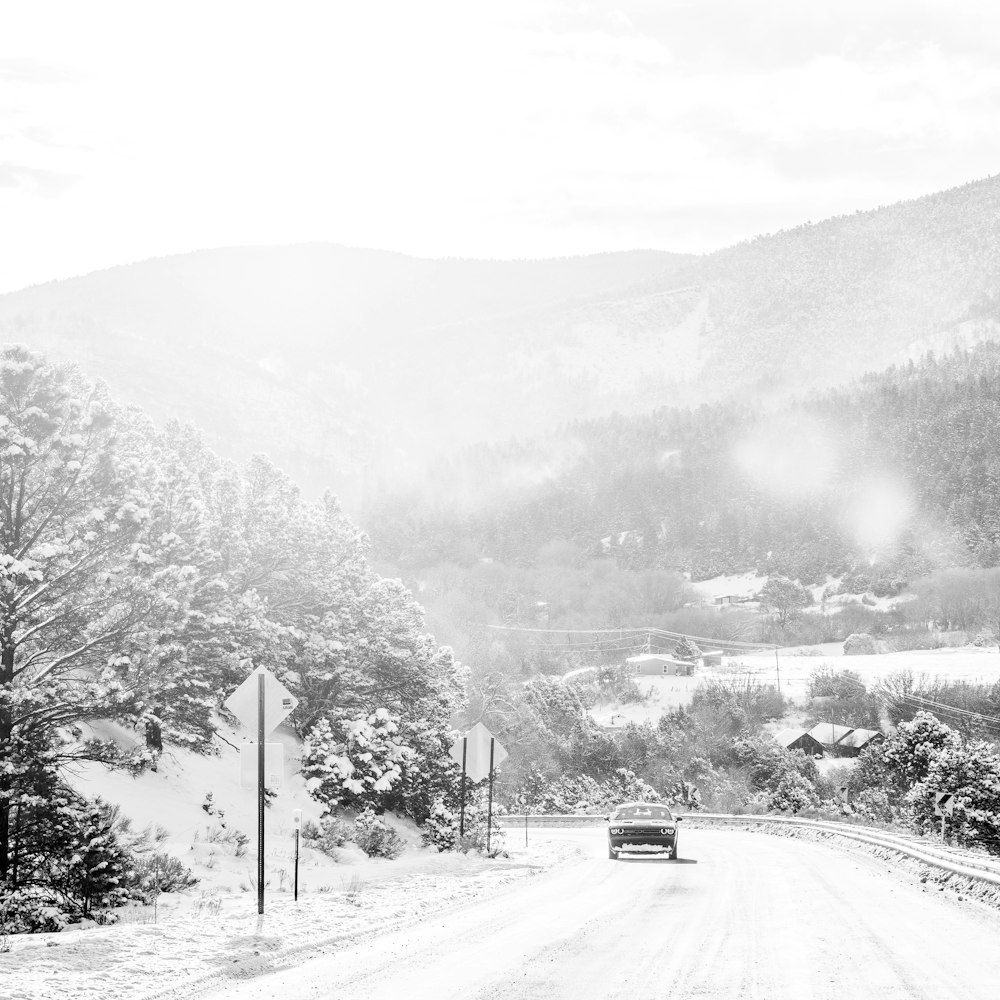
[792, 670]
[963, 663]
[215, 935]
[662, 694]
[735, 585]
[212, 932]
[748, 585]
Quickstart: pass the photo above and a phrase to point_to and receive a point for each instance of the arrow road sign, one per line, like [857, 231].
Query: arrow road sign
[279, 702]
[477, 752]
[944, 803]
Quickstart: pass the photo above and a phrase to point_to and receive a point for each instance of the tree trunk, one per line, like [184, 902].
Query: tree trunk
[6, 732]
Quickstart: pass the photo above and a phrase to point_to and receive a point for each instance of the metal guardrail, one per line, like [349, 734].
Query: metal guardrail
[958, 862]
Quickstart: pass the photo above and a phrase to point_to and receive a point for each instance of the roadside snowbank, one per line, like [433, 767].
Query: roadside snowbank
[212, 932]
[218, 937]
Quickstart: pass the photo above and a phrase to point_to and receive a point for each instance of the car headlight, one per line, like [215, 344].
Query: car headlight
[667, 830]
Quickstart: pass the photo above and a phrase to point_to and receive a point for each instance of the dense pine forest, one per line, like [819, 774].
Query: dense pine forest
[884, 480]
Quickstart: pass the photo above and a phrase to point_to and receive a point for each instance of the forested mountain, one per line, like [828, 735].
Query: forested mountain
[887, 479]
[338, 363]
[352, 368]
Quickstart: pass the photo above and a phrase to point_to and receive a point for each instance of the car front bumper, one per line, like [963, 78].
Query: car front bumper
[634, 841]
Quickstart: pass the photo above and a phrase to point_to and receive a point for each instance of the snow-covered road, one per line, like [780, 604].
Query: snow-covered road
[741, 915]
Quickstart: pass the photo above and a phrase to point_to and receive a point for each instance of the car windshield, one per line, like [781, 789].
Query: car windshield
[642, 812]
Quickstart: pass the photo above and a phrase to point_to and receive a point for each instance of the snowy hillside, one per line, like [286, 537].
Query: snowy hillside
[211, 934]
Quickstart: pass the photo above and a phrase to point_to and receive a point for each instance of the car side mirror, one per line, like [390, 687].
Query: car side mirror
[608, 817]
[678, 818]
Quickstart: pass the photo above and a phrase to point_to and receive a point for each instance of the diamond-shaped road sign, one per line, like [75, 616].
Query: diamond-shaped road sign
[944, 803]
[279, 702]
[477, 752]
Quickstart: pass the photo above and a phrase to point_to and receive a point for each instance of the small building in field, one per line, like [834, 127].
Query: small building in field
[711, 658]
[856, 740]
[827, 734]
[657, 664]
[799, 739]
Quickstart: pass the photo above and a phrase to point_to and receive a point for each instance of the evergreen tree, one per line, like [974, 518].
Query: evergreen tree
[71, 509]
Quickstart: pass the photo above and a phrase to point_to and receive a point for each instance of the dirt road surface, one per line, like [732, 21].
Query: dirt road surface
[739, 915]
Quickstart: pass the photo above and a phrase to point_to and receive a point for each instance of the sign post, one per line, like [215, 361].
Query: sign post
[297, 823]
[261, 702]
[522, 800]
[489, 807]
[260, 793]
[461, 813]
[944, 805]
[479, 752]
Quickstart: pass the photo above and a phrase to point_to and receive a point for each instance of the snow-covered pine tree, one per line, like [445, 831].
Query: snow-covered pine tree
[687, 649]
[354, 762]
[70, 508]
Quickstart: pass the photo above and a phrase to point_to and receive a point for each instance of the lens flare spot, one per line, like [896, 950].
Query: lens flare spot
[794, 460]
[878, 512]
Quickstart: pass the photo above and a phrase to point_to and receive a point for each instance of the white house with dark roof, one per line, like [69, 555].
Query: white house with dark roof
[657, 664]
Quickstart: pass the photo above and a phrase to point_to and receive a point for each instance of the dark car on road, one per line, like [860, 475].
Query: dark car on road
[642, 828]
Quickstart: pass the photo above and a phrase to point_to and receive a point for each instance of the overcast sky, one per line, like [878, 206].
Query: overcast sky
[500, 129]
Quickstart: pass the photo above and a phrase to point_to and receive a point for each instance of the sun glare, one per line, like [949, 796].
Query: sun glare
[791, 459]
[878, 512]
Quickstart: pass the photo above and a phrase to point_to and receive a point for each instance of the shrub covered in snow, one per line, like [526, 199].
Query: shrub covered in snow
[31, 910]
[327, 836]
[925, 756]
[792, 793]
[375, 838]
[354, 762]
[441, 827]
[861, 644]
[158, 872]
[71, 862]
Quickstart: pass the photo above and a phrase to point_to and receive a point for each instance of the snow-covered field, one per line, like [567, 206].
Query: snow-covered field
[967, 663]
[792, 670]
[212, 933]
[746, 586]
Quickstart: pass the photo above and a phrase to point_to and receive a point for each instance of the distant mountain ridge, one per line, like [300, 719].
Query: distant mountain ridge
[330, 359]
[350, 367]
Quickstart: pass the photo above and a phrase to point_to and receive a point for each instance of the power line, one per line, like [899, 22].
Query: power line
[662, 633]
[985, 722]
[942, 706]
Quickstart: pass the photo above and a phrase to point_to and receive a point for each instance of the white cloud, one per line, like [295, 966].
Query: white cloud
[449, 128]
